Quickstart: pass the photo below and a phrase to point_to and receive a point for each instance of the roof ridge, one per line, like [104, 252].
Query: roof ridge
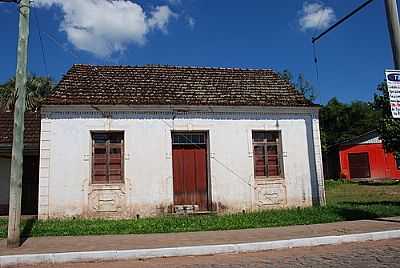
[173, 66]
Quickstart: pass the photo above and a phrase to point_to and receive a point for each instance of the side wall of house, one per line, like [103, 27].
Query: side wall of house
[5, 166]
[382, 165]
[65, 164]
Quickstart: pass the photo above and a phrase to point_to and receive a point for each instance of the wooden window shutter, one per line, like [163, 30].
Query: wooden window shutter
[107, 166]
[99, 163]
[115, 162]
[259, 161]
[267, 154]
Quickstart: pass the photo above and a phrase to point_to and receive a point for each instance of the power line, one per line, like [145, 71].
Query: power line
[55, 41]
[339, 22]
[41, 41]
[315, 39]
[315, 48]
[315, 61]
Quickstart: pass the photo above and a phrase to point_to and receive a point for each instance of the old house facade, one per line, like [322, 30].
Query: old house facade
[144, 141]
[30, 180]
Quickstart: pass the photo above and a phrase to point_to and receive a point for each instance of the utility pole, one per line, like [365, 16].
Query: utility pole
[14, 218]
[394, 30]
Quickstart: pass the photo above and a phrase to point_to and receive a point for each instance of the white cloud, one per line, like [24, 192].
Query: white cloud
[191, 22]
[160, 17]
[104, 27]
[316, 16]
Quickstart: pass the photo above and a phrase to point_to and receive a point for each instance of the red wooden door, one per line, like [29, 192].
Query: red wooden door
[359, 165]
[190, 175]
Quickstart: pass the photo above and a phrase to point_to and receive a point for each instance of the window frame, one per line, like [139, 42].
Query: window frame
[265, 143]
[203, 138]
[108, 147]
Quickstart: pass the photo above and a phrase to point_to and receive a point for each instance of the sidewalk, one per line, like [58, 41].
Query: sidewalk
[152, 241]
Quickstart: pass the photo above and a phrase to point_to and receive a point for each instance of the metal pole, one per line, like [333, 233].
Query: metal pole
[394, 30]
[14, 218]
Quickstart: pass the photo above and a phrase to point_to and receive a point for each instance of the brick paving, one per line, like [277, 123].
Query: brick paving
[125, 242]
[375, 254]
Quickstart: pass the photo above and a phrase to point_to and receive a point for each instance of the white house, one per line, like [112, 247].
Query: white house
[125, 141]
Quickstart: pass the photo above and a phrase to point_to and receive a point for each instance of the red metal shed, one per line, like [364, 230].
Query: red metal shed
[365, 158]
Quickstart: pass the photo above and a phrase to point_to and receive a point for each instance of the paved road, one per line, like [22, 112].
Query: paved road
[384, 253]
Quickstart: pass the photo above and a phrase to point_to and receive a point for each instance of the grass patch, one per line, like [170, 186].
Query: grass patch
[345, 201]
[3, 228]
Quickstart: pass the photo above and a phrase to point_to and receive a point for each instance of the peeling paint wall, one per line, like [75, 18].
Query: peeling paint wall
[65, 168]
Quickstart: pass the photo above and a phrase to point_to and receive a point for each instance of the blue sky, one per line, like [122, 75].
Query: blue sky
[247, 34]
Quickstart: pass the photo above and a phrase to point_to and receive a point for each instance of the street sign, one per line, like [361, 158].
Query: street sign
[393, 84]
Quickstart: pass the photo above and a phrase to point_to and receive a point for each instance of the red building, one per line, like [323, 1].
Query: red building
[362, 158]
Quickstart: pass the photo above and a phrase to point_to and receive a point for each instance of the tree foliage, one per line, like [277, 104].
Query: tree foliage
[340, 121]
[37, 89]
[301, 84]
[388, 127]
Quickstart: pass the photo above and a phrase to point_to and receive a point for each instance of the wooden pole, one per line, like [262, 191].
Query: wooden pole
[14, 218]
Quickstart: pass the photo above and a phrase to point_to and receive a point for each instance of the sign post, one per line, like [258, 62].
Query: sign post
[393, 84]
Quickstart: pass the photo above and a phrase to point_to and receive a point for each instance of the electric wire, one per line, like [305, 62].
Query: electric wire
[41, 42]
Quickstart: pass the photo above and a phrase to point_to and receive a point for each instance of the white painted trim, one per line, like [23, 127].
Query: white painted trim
[318, 160]
[44, 170]
[121, 255]
[177, 108]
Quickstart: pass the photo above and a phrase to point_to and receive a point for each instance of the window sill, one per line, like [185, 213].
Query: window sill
[113, 186]
[267, 179]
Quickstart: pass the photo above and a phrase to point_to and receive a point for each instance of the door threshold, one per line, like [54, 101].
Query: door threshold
[194, 213]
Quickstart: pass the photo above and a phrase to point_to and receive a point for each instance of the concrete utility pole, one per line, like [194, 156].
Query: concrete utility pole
[14, 218]
[394, 30]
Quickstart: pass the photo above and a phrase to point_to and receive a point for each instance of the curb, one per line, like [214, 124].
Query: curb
[121, 255]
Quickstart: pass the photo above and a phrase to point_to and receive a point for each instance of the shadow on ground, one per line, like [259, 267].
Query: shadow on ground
[379, 183]
[350, 211]
[370, 203]
[353, 214]
[27, 230]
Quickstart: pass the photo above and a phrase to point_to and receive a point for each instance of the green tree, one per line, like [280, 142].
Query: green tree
[340, 121]
[301, 84]
[38, 88]
[388, 127]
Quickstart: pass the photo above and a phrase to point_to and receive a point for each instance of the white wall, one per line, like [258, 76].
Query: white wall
[5, 166]
[65, 166]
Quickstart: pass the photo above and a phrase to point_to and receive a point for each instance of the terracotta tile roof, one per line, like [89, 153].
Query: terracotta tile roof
[32, 128]
[170, 85]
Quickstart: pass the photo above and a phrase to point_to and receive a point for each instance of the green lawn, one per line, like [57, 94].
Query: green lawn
[346, 201]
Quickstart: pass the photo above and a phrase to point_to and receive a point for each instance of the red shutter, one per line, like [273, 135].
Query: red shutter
[273, 161]
[115, 163]
[259, 161]
[267, 159]
[99, 163]
[107, 166]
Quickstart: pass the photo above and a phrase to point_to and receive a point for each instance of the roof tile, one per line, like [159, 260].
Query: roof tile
[32, 128]
[158, 85]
